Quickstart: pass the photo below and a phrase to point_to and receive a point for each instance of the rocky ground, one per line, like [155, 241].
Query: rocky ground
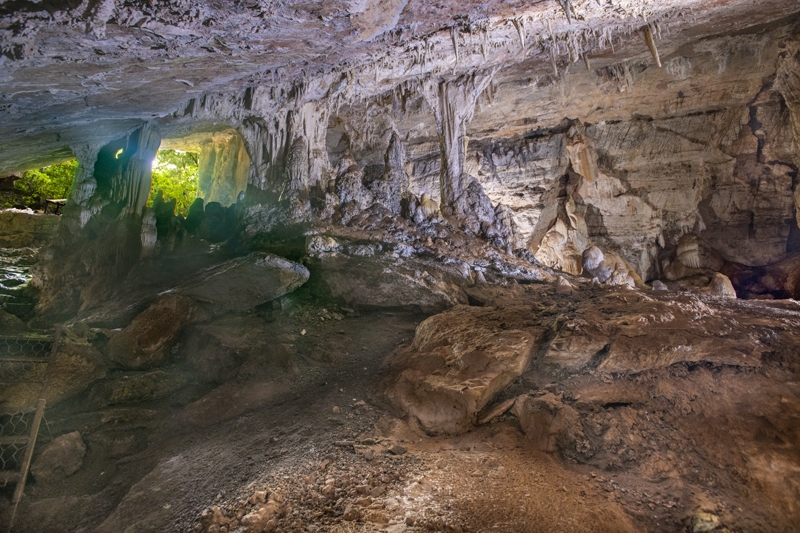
[699, 432]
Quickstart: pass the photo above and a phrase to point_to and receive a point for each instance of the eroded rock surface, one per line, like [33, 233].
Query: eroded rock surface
[367, 278]
[146, 342]
[60, 458]
[245, 282]
[459, 361]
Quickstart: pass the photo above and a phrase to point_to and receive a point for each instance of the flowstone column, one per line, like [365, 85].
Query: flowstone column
[100, 238]
[287, 151]
[463, 197]
[130, 185]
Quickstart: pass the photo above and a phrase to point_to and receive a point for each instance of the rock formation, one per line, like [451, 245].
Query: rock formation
[503, 228]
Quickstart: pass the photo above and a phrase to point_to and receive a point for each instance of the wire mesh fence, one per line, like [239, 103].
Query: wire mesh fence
[31, 346]
[23, 363]
[24, 359]
[11, 460]
[15, 428]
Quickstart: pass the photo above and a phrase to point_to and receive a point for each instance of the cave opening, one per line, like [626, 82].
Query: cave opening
[175, 180]
[210, 162]
[43, 190]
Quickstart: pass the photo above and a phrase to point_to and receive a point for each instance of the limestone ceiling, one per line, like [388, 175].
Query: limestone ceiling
[75, 72]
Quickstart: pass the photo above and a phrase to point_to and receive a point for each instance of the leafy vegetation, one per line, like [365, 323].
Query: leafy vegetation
[175, 174]
[34, 186]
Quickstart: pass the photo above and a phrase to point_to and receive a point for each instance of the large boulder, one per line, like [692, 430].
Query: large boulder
[59, 459]
[245, 282]
[365, 276]
[459, 361]
[146, 342]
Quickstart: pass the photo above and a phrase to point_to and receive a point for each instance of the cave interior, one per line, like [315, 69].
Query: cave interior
[447, 266]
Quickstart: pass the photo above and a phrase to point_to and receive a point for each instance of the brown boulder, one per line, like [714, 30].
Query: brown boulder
[459, 361]
[146, 342]
[60, 458]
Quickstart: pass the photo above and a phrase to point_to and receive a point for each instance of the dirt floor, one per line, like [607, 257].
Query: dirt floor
[300, 439]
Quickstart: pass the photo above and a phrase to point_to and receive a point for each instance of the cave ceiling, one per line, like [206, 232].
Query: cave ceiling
[81, 72]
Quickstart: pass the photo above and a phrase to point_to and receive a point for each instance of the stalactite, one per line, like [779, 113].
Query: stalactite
[566, 5]
[454, 37]
[651, 44]
[520, 27]
[553, 50]
[453, 103]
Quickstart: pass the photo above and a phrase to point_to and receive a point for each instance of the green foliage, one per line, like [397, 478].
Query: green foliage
[51, 182]
[175, 174]
[8, 199]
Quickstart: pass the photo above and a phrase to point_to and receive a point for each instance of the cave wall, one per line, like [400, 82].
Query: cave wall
[714, 154]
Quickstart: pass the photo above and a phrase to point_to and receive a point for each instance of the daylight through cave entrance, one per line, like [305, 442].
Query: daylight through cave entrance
[43, 190]
[175, 174]
[211, 164]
